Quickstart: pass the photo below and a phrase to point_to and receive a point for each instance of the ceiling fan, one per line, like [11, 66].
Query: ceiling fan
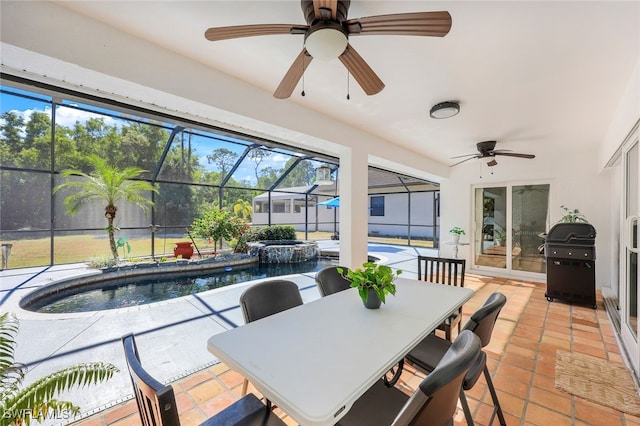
[326, 37]
[487, 149]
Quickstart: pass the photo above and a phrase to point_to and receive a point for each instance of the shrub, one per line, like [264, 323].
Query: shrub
[216, 224]
[275, 232]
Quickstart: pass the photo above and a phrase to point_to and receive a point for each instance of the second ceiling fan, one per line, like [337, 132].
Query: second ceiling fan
[326, 36]
[487, 149]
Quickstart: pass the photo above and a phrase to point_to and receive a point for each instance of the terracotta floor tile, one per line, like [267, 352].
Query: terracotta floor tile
[205, 391]
[552, 399]
[128, 421]
[543, 416]
[521, 358]
[516, 359]
[598, 352]
[544, 381]
[194, 380]
[595, 414]
[511, 404]
[121, 411]
[231, 378]
[631, 420]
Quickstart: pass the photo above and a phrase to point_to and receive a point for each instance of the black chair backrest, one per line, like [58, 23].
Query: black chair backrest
[156, 402]
[268, 298]
[435, 400]
[484, 318]
[330, 281]
[441, 270]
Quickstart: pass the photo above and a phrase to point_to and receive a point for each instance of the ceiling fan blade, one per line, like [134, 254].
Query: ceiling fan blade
[293, 75]
[331, 5]
[465, 155]
[436, 24]
[465, 160]
[361, 71]
[238, 31]
[509, 154]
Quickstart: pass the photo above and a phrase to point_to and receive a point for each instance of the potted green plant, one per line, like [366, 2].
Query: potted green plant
[373, 282]
[455, 232]
[572, 216]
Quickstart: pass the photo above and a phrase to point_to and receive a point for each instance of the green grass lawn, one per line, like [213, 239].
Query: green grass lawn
[88, 248]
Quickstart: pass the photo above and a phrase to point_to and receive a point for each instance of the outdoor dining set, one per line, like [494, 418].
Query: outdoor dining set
[331, 361]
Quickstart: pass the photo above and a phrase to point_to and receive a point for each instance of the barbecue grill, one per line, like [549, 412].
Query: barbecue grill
[570, 253]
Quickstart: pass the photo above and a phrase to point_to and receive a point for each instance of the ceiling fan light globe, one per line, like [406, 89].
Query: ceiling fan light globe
[326, 43]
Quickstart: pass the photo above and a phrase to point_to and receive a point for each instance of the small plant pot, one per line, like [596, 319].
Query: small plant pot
[455, 238]
[373, 301]
[184, 249]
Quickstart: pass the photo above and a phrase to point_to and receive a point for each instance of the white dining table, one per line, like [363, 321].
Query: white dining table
[315, 360]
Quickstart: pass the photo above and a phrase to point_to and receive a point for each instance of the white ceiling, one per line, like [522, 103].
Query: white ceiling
[532, 75]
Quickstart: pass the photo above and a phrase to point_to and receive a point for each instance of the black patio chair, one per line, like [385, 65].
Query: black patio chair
[427, 354]
[157, 402]
[442, 270]
[330, 281]
[268, 298]
[433, 403]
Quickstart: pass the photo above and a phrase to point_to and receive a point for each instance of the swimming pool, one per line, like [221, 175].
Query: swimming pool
[113, 294]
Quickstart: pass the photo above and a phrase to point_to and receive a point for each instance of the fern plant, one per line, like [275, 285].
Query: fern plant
[36, 402]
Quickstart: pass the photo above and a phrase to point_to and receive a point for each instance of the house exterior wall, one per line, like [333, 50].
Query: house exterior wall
[394, 223]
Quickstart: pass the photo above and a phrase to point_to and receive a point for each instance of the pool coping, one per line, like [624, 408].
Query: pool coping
[121, 274]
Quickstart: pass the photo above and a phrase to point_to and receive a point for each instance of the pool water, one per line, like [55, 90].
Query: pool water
[144, 291]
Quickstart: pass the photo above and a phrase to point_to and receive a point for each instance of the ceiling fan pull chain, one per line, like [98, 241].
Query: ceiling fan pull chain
[348, 97]
[302, 76]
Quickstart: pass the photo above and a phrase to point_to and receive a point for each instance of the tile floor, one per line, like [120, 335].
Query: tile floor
[521, 354]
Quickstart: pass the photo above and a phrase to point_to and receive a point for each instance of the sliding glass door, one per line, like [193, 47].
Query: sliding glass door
[629, 246]
[509, 223]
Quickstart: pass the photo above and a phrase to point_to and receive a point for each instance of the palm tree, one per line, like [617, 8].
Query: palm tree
[109, 185]
[36, 402]
[242, 208]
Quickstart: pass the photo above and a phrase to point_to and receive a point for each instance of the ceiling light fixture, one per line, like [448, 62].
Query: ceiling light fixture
[445, 110]
[326, 42]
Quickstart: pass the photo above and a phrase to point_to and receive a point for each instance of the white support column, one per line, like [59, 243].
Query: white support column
[354, 213]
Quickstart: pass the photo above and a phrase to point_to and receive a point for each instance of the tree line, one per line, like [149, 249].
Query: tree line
[186, 187]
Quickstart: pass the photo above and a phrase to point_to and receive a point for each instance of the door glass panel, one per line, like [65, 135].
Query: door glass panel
[632, 210]
[530, 209]
[491, 213]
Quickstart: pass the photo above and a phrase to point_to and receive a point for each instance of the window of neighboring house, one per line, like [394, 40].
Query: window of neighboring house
[261, 207]
[298, 205]
[377, 206]
[282, 206]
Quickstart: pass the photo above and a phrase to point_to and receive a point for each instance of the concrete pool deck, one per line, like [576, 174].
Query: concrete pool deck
[171, 335]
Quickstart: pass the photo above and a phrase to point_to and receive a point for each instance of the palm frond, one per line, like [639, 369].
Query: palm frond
[107, 184]
[8, 331]
[43, 390]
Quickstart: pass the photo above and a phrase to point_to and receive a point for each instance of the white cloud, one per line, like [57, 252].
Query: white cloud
[69, 116]
[66, 117]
